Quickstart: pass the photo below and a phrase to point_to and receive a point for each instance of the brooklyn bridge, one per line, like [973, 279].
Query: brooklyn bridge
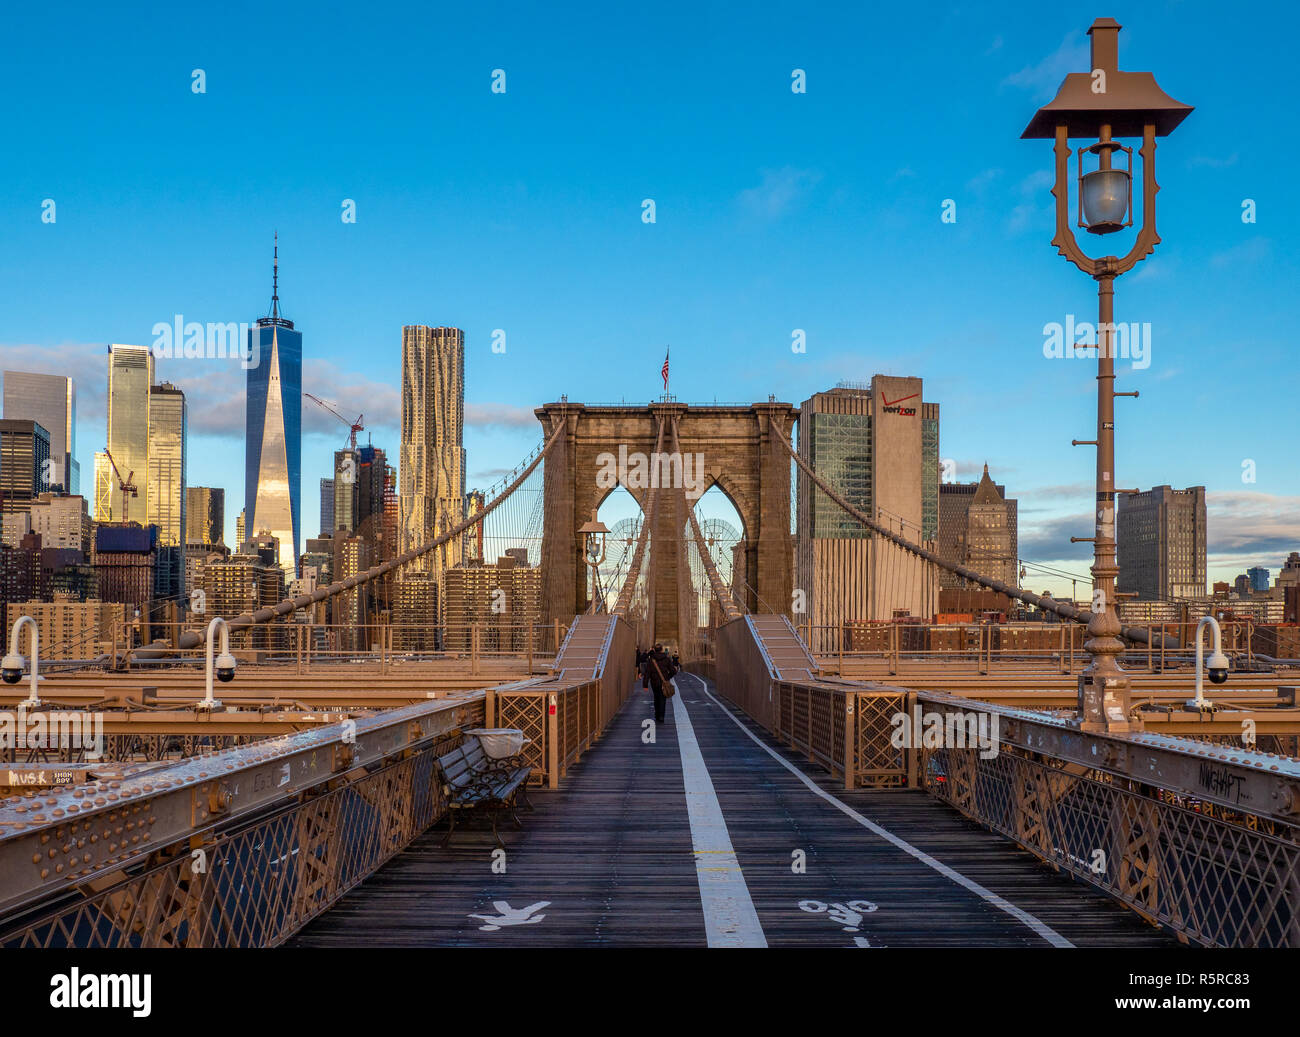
[1066, 786]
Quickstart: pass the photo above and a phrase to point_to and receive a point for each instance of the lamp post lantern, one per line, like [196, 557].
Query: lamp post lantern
[1100, 106]
[592, 534]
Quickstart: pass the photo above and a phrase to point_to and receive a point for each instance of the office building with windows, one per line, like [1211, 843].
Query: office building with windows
[130, 377]
[24, 457]
[503, 601]
[327, 506]
[978, 528]
[166, 468]
[205, 515]
[1258, 577]
[878, 445]
[51, 401]
[62, 522]
[1161, 539]
[432, 454]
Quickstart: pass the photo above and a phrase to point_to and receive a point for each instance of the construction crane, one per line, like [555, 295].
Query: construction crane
[356, 426]
[127, 486]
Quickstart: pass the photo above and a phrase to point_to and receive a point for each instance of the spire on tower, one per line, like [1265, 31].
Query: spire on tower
[274, 319]
[275, 278]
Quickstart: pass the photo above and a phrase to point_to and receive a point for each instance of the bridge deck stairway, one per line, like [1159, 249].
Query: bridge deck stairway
[580, 655]
[712, 834]
[783, 647]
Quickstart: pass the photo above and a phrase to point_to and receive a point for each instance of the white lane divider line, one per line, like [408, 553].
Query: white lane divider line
[987, 895]
[729, 916]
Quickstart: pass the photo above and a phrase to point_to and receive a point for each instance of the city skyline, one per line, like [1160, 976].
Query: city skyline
[771, 228]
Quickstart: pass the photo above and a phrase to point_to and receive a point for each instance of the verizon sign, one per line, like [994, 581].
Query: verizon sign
[889, 406]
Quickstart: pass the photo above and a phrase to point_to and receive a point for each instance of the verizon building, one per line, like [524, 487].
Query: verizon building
[878, 445]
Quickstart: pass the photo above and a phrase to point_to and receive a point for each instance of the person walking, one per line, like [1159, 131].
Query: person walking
[659, 670]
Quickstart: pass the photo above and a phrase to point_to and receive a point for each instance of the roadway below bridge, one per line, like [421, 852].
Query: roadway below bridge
[712, 835]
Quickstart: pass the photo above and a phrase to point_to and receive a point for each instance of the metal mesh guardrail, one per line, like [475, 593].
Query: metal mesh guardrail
[258, 885]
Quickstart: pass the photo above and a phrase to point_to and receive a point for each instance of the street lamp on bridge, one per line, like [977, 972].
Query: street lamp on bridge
[592, 534]
[1101, 105]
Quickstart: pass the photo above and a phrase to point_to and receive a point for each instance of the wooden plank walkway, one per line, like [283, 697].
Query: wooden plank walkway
[609, 856]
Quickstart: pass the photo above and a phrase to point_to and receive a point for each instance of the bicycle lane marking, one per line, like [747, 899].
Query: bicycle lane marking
[1038, 926]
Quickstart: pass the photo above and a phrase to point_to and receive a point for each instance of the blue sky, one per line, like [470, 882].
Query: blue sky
[774, 211]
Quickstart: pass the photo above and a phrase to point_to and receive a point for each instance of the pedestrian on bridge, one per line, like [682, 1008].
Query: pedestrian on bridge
[659, 670]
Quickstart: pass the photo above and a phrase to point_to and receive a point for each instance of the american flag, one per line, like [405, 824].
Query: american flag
[664, 372]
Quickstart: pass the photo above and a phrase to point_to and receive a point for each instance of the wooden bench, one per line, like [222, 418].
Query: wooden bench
[472, 780]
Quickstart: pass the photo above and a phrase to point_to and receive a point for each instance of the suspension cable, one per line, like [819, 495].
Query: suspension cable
[1141, 634]
[638, 556]
[193, 638]
[720, 591]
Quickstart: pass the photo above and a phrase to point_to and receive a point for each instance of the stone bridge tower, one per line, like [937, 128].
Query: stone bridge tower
[737, 453]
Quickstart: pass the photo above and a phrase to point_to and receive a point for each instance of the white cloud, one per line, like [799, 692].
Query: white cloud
[1073, 55]
[500, 415]
[779, 190]
[1249, 522]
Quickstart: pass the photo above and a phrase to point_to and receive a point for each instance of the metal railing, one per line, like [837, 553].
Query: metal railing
[1211, 851]
[375, 646]
[887, 648]
[258, 885]
[242, 847]
[847, 730]
[1201, 837]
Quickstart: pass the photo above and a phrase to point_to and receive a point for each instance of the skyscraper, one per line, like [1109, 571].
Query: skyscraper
[168, 429]
[102, 501]
[205, 515]
[130, 376]
[166, 488]
[51, 401]
[1161, 539]
[432, 490]
[24, 451]
[878, 445]
[978, 528]
[359, 494]
[327, 506]
[273, 440]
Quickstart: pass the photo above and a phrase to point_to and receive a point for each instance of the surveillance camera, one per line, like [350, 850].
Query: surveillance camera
[11, 669]
[225, 667]
[1218, 668]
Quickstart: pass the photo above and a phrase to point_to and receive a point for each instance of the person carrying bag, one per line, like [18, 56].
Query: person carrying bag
[660, 670]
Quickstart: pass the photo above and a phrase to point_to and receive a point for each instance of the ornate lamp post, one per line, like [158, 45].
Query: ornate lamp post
[592, 534]
[1100, 106]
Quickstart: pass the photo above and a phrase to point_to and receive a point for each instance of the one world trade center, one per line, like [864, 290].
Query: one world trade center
[273, 439]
